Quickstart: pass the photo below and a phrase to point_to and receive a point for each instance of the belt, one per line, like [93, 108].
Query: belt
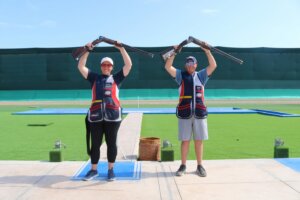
[185, 97]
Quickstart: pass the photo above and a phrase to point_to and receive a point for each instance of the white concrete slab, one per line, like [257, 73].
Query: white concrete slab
[226, 180]
[238, 191]
[10, 192]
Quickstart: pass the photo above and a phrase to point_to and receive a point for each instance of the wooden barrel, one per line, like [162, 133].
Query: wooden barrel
[149, 149]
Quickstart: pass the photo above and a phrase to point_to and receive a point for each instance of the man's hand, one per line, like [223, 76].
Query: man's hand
[205, 47]
[177, 48]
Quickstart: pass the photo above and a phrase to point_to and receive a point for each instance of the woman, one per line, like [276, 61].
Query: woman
[104, 115]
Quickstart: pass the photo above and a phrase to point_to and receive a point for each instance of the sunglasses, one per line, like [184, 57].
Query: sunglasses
[106, 65]
[189, 64]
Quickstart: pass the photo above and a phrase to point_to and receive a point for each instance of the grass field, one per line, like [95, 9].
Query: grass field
[230, 136]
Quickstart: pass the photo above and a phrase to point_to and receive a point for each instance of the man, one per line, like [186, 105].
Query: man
[104, 115]
[191, 111]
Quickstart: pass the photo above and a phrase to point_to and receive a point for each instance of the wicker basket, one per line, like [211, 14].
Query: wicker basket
[149, 149]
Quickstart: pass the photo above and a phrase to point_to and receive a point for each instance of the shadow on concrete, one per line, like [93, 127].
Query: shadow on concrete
[49, 181]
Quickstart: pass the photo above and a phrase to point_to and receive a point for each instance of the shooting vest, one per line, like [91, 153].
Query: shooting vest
[105, 101]
[191, 99]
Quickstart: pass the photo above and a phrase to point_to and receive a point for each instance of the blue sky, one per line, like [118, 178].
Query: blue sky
[149, 23]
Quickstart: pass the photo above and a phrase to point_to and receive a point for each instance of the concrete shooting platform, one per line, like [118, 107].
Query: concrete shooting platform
[245, 179]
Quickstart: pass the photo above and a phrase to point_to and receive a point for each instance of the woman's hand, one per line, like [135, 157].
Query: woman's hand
[89, 46]
[118, 45]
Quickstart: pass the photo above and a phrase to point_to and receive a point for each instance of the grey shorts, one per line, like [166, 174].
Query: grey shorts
[192, 127]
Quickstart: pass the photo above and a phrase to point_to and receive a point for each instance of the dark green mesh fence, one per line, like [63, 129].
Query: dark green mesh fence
[55, 69]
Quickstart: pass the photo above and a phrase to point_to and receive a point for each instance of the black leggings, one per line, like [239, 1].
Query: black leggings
[110, 129]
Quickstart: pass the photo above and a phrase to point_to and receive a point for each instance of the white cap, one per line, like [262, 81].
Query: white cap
[108, 60]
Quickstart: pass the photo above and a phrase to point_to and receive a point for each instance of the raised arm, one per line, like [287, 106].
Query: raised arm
[212, 65]
[169, 66]
[126, 59]
[82, 61]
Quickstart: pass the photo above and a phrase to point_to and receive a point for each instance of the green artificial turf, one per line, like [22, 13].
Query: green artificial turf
[22, 142]
[230, 136]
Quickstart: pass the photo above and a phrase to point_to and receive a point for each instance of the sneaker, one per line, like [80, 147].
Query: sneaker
[201, 171]
[111, 175]
[90, 175]
[181, 170]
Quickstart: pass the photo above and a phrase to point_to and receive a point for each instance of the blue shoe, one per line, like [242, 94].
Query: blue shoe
[111, 175]
[90, 175]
